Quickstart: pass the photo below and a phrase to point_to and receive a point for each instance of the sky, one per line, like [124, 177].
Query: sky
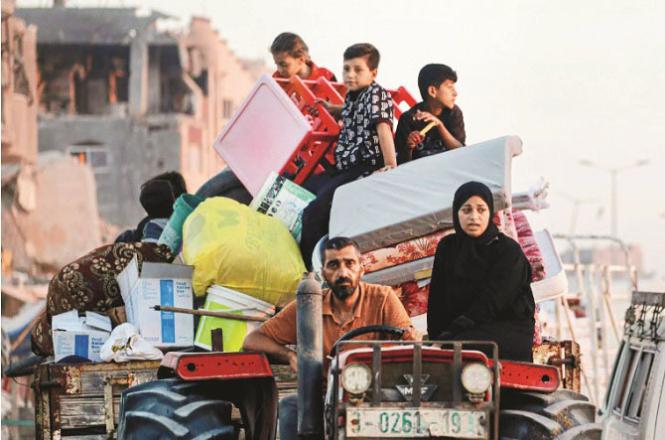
[575, 80]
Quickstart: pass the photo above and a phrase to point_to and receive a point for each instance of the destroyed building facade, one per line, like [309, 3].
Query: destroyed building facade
[19, 88]
[120, 92]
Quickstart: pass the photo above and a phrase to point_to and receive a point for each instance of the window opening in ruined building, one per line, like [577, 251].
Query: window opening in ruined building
[97, 157]
[227, 110]
[83, 79]
[202, 81]
[172, 93]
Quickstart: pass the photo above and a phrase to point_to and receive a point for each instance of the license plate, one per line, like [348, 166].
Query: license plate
[414, 422]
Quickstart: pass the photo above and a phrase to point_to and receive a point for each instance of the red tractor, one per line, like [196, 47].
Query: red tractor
[375, 389]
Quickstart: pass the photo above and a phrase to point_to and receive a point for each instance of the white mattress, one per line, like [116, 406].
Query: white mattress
[415, 199]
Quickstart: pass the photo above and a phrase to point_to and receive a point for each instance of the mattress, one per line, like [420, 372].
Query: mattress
[529, 246]
[414, 297]
[415, 199]
[505, 222]
[396, 275]
[415, 249]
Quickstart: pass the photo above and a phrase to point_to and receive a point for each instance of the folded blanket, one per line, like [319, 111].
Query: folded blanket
[404, 252]
[529, 246]
[400, 274]
[414, 297]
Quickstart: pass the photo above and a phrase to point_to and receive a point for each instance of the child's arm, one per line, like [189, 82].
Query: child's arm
[387, 146]
[448, 139]
[334, 109]
[403, 139]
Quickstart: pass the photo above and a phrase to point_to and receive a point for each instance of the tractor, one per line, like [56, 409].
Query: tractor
[382, 388]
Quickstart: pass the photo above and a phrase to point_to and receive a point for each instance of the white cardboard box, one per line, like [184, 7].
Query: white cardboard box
[80, 336]
[159, 284]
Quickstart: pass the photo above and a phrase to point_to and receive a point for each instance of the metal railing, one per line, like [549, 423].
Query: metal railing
[596, 288]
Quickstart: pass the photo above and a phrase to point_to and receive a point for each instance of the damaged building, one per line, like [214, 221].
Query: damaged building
[121, 93]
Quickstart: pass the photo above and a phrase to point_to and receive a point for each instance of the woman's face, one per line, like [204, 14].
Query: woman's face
[474, 216]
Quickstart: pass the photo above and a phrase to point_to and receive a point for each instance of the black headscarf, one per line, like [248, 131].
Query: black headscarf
[472, 259]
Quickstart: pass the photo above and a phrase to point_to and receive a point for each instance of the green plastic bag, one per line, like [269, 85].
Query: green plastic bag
[231, 245]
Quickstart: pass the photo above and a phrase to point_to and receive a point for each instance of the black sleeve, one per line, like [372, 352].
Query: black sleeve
[437, 316]
[456, 128]
[401, 135]
[505, 282]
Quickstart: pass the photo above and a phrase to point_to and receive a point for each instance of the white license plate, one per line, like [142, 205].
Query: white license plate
[414, 422]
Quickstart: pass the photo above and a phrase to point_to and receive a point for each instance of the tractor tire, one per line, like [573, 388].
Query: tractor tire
[561, 415]
[225, 184]
[171, 409]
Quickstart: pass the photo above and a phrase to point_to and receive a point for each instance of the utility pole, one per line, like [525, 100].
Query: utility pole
[614, 172]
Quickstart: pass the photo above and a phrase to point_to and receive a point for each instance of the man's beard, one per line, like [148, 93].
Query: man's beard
[342, 292]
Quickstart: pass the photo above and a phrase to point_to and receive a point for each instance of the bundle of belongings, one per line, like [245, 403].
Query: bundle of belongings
[245, 260]
[237, 260]
[406, 212]
[89, 284]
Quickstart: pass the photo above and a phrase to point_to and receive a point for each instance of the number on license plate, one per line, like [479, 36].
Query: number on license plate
[417, 422]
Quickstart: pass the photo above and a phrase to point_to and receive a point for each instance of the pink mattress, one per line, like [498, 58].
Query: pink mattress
[404, 252]
[529, 246]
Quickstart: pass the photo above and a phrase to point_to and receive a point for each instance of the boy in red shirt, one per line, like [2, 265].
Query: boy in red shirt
[291, 56]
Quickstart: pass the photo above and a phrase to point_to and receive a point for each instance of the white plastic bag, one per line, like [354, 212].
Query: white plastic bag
[125, 344]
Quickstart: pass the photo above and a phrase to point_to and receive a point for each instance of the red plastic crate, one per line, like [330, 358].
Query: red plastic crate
[280, 127]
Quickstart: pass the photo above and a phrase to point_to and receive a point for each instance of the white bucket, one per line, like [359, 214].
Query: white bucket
[234, 331]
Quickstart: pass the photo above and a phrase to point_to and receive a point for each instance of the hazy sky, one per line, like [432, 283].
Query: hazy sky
[574, 79]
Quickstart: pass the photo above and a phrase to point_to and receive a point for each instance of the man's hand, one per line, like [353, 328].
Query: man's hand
[293, 361]
[414, 139]
[428, 117]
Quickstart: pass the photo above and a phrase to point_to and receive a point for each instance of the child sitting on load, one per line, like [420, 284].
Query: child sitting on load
[291, 56]
[365, 144]
[436, 124]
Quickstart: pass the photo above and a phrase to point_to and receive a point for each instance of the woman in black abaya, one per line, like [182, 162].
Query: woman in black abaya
[480, 288]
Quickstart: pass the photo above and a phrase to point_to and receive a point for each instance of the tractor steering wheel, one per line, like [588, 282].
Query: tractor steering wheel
[380, 328]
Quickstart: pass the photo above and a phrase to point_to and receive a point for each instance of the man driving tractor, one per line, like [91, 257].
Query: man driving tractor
[347, 305]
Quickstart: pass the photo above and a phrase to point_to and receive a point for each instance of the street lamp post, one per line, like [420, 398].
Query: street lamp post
[614, 172]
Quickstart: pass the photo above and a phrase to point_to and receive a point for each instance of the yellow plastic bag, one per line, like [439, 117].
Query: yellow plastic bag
[231, 245]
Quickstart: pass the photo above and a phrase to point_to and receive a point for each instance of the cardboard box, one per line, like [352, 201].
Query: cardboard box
[159, 284]
[285, 200]
[81, 336]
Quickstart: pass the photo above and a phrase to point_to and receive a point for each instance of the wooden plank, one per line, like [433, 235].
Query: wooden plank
[87, 437]
[92, 381]
[83, 412]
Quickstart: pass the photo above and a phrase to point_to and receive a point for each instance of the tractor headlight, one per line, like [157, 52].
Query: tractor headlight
[476, 378]
[356, 378]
